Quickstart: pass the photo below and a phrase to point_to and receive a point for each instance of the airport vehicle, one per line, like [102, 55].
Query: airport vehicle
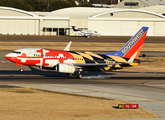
[85, 33]
[69, 62]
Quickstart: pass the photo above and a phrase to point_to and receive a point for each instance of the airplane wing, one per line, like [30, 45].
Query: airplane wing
[93, 64]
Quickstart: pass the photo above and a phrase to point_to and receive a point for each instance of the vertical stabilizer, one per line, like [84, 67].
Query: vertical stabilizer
[74, 29]
[133, 45]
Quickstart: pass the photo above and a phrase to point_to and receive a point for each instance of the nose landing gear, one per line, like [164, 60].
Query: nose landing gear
[20, 65]
[21, 69]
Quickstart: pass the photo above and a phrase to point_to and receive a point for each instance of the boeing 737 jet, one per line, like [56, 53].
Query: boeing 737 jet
[69, 62]
[86, 33]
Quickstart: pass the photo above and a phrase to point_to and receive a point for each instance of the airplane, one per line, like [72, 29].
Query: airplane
[69, 62]
[86, 33]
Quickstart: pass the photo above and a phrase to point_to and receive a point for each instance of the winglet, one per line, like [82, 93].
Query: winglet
[132, 58]
[68, 46]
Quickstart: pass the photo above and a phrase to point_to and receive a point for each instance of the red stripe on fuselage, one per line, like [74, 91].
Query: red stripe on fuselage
[32, 60]
[64, 56]
[136, 47]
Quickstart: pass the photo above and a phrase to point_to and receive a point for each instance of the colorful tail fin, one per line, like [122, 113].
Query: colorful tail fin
[133, 45]
[74, 28]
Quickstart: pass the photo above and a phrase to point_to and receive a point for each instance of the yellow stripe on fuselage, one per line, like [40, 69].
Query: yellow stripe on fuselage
[85, 55]
[93, 54]
[117, 58]
[78, 58]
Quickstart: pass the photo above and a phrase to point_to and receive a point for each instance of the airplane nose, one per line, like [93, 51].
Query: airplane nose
[8, 56]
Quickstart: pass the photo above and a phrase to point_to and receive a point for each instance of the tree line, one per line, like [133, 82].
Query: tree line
[43, 5]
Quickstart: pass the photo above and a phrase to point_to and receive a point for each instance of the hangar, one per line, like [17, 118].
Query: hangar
[134, 4]
[19, 22]
[113, 21]
[107, 21]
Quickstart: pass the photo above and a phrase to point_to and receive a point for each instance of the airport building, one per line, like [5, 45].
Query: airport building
[134, 4]
[107, 21]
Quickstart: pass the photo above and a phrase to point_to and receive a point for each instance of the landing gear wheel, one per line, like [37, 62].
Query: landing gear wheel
[21, 69]
[80, 76]
[68, 74]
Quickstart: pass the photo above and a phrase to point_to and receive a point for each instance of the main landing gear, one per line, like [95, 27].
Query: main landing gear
[69, 74]
[79, 75]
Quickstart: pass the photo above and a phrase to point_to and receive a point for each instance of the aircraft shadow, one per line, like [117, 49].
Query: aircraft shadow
[33, 71]
[47, 73]
[86, 75]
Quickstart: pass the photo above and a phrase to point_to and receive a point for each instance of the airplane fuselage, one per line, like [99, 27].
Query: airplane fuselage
[66, 61]
[88, 33]
[49, 58]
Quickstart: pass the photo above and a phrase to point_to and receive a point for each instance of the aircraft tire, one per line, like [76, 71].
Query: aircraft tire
[68, 75]
[80, 76]
[21, 69]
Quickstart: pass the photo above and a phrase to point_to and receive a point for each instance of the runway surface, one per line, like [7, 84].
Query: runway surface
[145, 89]
[51, 77]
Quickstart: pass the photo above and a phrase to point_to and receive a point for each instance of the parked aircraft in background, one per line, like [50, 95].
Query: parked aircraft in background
[86, 33]
[68, 62]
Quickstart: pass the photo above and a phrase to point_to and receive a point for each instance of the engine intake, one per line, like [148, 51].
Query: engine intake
[65, 68]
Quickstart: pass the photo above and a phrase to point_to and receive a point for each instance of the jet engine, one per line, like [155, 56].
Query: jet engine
[65, 68]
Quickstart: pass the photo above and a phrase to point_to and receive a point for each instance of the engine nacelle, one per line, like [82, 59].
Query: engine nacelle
[65, 68]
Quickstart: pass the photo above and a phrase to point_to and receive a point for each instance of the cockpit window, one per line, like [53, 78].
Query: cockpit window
[16, 52]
